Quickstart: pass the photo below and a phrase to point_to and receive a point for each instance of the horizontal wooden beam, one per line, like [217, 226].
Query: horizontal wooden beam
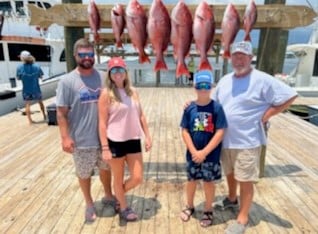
[269, 16]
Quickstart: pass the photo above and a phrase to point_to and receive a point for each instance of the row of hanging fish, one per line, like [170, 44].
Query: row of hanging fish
[180, 29]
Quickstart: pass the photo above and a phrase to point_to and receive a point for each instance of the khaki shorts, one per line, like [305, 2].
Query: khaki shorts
[86, 160]
[243, 162]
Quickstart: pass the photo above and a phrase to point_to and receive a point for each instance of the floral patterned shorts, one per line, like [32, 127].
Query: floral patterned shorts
[86, 160]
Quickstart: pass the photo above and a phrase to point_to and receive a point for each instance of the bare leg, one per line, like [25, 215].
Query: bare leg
[232, 186]
[209, 190]
[246, 199]
[42, 109]
[135, 167]
[190, 191]
[28, 111]
[105, 178]
[85, 185]
[117, 168]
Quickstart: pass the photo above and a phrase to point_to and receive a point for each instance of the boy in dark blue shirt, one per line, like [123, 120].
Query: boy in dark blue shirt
[203, 123]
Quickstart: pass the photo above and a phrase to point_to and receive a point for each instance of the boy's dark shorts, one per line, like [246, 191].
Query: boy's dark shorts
[206, 171]
[122, 148]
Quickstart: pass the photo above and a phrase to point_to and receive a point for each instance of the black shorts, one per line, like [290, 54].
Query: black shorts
[122, 148]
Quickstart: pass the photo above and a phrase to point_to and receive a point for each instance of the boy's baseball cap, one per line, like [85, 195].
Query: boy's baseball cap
[116, 62]
[204, 76]
[244, 47]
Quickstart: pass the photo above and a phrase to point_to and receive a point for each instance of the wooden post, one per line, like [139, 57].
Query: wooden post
[270, 59]
[71, 35]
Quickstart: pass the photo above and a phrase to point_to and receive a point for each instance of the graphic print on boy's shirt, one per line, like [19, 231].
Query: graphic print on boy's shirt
[88, 95]
[203, 122]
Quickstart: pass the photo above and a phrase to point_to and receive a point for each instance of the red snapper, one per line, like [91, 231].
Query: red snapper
[136, 21]
[159, 28]
[249, 19]
[230, 26]
[118, 23]
[203, 33]
[181, 36]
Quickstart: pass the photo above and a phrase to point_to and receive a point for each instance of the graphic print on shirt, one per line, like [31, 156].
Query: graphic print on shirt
[88, 95]
[203, 122]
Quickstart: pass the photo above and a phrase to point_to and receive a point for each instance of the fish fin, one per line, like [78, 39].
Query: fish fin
[205, 65]
[182, 70]
[143, 58]
[247, 37]
[226, 54]
[119, 44]
[160, 65]
[96, 37]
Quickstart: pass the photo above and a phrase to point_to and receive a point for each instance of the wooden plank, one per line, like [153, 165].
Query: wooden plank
[40, 192]
[269, 16]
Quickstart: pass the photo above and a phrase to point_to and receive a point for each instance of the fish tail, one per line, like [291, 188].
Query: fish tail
[143, 58]
[247, 37]
[182, 70]
[226, 54]
[205, 65]
[119, 44]
[160, 65]
[96, 37]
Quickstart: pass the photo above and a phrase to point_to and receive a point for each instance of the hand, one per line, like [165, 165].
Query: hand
[148, 144]
[68, 145]
[107, 155]
[198, 156]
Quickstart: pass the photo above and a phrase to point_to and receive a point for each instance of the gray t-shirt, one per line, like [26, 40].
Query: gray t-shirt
[80, 94]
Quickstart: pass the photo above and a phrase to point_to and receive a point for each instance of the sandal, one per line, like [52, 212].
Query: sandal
[90, 214]
[111, 202]
[207, 219]
[129, 215]
[186, 214]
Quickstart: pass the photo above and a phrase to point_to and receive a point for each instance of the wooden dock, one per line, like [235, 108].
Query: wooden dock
[39, 192]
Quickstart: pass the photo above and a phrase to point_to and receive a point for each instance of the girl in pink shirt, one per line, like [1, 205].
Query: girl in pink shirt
[122, 124]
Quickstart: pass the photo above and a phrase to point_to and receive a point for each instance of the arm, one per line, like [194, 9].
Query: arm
[213, 143]
[62, 119]
[274, 110]
[144, 125]
[188, 141]
[103, 105]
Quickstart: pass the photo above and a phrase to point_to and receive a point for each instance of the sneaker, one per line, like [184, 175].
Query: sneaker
[226, 203]
[236, 228]
[90, 214]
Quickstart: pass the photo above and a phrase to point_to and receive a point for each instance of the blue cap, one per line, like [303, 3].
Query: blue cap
[203, 76]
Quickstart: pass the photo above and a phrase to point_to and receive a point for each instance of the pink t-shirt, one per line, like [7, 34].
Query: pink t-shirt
[124, 119]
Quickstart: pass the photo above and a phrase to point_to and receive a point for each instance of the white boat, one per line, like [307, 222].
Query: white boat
[304, 77]
[46, 45]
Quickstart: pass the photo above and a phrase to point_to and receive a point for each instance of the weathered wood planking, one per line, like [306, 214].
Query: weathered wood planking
[39, 192]
[269, 16]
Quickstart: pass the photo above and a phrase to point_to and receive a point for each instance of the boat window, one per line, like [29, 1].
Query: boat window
[315, 72]
[1, 53]
[41, 4]
[62, 57]
[5, 7]
[41, 53]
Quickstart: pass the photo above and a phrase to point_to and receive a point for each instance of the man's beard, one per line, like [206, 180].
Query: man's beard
[86, 64]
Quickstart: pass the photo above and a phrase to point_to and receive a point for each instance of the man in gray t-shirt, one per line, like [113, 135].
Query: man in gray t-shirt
[77, 116]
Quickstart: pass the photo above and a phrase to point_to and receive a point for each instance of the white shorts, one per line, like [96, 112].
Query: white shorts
[243, 162]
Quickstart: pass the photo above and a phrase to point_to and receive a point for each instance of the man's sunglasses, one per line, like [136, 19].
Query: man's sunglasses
[117, 70]
[203, 86]
[84, 55]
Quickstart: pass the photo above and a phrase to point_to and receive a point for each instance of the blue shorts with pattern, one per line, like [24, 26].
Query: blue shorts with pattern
[32, 96]
[206, 171]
